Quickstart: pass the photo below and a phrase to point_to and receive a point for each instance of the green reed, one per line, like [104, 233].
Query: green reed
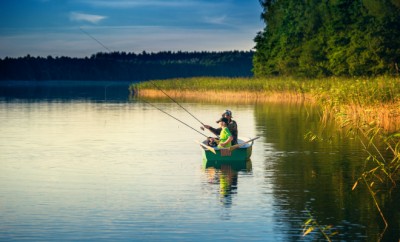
[331, 90]
[312, 224]
[382, 165]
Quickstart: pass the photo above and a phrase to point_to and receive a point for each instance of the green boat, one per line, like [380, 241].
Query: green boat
[237, 156]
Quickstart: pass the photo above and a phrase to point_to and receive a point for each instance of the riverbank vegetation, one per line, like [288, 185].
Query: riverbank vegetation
[369, 100]
[342, 38]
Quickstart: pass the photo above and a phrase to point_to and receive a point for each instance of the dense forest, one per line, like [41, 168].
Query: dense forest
[314, 38]
[129, 66]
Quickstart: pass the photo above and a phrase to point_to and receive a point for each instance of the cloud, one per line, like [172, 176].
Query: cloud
[91, 18]
[146, 3]
[215, 20]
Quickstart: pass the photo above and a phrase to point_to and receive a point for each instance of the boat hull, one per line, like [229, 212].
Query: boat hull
[236, 158]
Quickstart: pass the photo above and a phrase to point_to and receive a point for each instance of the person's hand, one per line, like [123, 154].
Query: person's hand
[207, 126]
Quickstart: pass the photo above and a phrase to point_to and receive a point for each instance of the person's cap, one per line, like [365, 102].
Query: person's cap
[227, 112]
[225, 120]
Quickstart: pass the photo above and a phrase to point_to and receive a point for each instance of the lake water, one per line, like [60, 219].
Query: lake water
[90, 167]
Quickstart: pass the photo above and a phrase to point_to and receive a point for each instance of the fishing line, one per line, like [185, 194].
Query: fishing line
[172, 116]
[105, 47]
[176, 102]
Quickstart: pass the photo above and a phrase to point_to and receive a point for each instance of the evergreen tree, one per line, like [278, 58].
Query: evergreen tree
[129, 66]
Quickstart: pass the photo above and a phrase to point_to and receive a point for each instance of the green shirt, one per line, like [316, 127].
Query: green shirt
[224, 136]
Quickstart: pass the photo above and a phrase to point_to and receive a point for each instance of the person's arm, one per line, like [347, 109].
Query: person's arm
[215, 131]
[212, 130]
[226, 142]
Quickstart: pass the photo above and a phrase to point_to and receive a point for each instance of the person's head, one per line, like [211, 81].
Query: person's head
[227, 114]
[223, 121]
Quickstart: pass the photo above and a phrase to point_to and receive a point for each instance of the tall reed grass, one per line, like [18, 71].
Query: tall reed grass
[367, 90]
[364, 99]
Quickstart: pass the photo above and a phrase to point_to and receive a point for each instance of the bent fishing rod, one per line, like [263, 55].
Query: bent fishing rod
[105, 47]
[172, 116]
[93, 38]
[176, 102]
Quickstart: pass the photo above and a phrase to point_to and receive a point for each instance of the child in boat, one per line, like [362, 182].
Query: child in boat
[232, 126]
[225, 137]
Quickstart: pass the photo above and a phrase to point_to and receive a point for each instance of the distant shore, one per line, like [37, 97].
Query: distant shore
[369, 101]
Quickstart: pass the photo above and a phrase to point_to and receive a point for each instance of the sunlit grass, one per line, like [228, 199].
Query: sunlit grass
[364, 99]
[335, 90]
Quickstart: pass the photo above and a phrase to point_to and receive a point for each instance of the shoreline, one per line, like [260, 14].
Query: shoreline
[228, 96]
[384, 115]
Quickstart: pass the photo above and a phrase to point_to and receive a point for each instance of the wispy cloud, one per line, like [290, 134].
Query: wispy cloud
[91, 18]
[216, 20]
[143, 3]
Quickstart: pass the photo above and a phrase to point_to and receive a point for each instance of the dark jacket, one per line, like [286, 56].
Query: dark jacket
[232, 126]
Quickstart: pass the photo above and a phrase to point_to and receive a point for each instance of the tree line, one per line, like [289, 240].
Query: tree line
[315, 38]
[129, 66]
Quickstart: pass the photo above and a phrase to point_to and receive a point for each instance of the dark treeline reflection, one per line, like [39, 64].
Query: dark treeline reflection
[318, 176]
[65, 90]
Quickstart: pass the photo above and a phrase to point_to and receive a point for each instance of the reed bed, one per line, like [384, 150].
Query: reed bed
[244, 97]
[363, 100]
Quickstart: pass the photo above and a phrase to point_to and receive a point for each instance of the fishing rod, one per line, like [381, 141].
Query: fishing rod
[93, 38]
[105, 47]
[176, 102]
[172, 116]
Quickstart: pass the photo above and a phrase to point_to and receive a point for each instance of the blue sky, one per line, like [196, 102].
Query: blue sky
[58, 27]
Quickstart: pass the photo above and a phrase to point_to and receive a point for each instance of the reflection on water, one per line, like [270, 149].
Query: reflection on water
[318, 177]
[226, 176]
[65, 90]
[93, 170]
[227, 179]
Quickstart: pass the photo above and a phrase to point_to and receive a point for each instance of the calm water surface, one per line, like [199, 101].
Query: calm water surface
[121, 170]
